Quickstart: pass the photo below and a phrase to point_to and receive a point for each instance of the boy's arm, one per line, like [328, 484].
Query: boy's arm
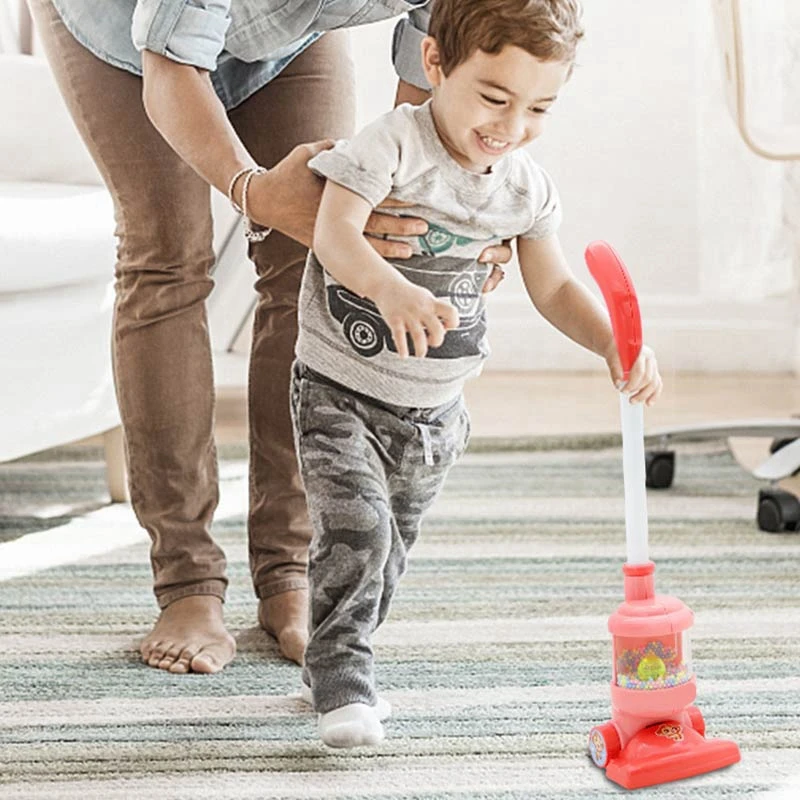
[568, 304]
[340, 246]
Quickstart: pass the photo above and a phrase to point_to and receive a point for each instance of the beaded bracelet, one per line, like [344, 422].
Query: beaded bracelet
[253, 232]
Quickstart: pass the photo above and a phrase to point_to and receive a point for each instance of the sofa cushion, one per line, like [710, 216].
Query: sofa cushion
[54, 235]
[35, 125]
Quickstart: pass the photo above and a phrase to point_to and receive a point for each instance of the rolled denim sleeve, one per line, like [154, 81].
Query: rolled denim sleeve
[187, 31]
[406, 54]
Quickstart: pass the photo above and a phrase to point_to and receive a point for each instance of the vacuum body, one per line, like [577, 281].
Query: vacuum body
[656, 733]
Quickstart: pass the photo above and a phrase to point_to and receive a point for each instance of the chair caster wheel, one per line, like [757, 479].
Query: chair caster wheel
[778, 511]
[659, 468]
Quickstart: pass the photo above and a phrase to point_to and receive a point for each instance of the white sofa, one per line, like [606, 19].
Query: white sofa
[57, 253]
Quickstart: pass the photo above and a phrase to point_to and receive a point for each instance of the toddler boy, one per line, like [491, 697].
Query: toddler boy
[384, 349]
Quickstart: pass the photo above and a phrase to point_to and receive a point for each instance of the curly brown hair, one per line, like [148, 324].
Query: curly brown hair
[547, 29]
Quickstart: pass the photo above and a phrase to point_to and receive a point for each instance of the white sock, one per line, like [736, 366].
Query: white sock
[383, 708]
[353, 725]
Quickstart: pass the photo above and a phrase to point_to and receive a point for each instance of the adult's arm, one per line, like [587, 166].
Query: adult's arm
[181, 103]
[196, 127]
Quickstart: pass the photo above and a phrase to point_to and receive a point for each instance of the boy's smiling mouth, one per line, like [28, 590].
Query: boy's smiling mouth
[491, 145]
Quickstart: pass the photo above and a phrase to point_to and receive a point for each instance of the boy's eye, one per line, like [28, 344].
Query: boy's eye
[540, 110]
[493, 100]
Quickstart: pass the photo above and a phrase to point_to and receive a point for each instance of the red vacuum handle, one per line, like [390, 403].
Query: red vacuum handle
[617, 287]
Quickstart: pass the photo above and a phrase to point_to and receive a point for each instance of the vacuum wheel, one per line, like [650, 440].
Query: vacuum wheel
[659, 468]
[697, 720]
[604, 744]
[778, 511]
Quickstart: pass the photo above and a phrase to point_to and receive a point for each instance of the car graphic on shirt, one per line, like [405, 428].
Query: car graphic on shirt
[438, 240]
[368, 334]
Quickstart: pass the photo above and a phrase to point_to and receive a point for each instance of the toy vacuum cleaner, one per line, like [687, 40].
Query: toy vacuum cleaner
[656, 733]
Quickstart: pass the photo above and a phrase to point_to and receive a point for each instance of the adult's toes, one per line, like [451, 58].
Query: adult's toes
[206, 662]
[157, 655]
[214, 656]
[170, 657]
[147, 649]
[183, 663]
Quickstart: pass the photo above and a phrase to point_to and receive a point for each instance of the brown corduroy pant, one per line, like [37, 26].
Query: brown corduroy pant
[161, 351]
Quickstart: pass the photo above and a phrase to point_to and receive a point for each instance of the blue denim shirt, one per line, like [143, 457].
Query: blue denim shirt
[242, 43]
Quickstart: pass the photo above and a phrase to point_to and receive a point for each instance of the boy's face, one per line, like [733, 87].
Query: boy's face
[490, 105]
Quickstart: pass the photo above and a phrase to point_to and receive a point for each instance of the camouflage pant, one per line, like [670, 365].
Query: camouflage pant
[370, 471]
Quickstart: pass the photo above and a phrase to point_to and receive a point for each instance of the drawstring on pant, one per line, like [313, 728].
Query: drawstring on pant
[427, 447]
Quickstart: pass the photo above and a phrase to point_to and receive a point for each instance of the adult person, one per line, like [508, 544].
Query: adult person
[172, 97]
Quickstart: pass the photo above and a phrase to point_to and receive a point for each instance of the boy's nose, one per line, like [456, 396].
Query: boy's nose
[514, 127]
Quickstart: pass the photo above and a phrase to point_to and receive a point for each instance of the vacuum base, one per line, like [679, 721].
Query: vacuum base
[667, 752]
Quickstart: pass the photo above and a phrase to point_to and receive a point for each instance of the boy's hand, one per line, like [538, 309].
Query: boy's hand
[644, 382]
[412, 310]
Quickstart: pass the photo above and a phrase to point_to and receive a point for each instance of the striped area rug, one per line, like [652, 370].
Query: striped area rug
[495, 658]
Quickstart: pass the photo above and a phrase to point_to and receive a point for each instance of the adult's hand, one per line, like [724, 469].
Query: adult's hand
[497, 255]
[382, 226]
[287, 198]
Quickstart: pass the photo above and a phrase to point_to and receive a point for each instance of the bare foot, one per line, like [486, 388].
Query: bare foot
[189, 636]
[285, 617]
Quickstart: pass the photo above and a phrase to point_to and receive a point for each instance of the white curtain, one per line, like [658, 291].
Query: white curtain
[749, 206]
[9, 26]
[15, 27]
[791, 81]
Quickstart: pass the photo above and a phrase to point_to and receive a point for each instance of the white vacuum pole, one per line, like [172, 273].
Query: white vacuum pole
[616, 285]
[633, 468]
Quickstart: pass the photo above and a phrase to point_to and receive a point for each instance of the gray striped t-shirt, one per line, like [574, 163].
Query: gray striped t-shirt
[400, 155]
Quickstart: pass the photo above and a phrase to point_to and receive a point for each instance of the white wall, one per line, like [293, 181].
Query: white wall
[645, 156]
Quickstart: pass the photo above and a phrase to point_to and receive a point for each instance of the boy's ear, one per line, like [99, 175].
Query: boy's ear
[431, 62]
